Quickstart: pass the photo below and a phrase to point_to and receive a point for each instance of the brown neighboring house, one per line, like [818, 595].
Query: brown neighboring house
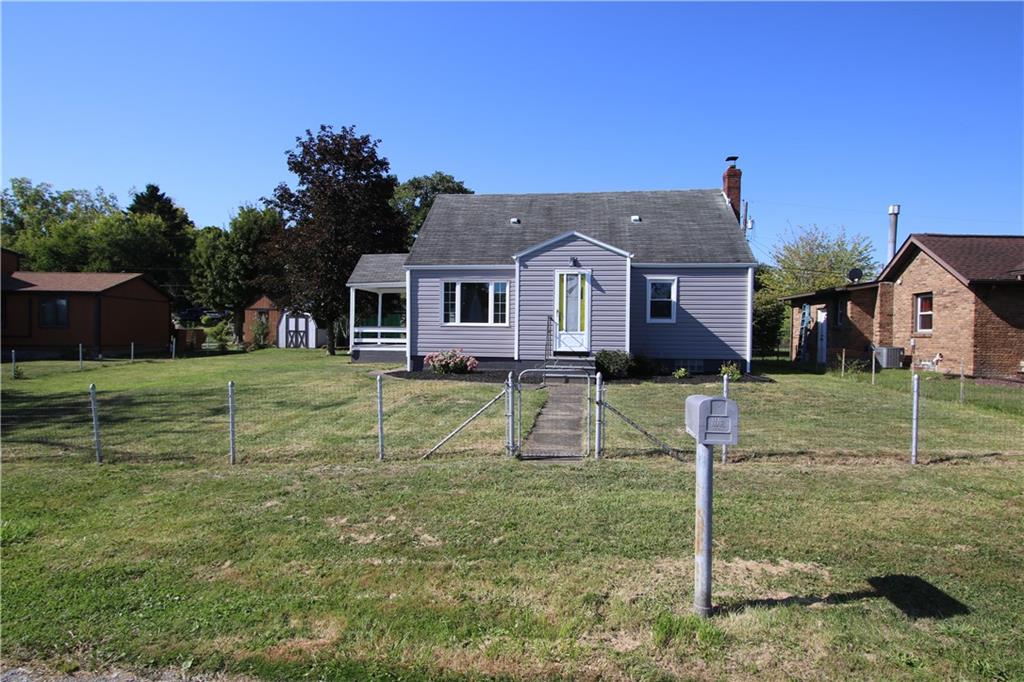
[961, 296]
[50, 313]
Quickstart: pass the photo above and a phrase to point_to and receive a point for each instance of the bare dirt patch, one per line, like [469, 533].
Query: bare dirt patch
[324, 633]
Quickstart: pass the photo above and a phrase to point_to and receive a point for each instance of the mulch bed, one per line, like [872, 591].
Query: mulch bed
[498, 377]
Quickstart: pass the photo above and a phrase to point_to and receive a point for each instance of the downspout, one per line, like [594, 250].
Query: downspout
[629, 302]
[515, 342]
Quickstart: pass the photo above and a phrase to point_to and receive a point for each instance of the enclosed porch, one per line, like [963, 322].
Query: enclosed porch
[378, 324]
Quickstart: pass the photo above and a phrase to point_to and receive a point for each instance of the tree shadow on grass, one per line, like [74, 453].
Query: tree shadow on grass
[911, 594]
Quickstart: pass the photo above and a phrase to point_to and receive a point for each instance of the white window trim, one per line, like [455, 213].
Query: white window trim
[674, 280]
[918, 313]
[490, 303]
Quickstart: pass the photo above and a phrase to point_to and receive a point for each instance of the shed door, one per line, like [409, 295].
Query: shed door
[822, 324]
[572, 312]
[296, 331]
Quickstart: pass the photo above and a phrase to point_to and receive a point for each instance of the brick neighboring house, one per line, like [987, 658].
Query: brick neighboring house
[47, 314]
[961, 296]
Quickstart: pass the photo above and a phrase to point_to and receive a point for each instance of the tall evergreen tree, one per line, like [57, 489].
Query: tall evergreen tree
[178, 235]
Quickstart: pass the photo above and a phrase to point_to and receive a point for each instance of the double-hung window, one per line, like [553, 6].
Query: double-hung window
[923, 313]
[474, 303]
[53, 312]
[662, 296]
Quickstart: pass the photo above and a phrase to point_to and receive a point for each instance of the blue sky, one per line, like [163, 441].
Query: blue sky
[836, 110]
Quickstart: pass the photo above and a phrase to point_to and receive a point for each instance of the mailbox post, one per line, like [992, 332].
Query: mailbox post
[711, 421]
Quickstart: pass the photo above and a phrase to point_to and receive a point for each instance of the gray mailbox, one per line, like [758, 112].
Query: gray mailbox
[712, 420]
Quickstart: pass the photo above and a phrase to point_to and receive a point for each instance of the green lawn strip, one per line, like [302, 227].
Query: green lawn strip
[485, 567]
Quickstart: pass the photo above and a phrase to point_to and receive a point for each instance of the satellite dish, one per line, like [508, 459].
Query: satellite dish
[854, 275]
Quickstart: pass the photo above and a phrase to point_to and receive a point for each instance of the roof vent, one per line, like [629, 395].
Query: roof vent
[634, 218]
[514, 221]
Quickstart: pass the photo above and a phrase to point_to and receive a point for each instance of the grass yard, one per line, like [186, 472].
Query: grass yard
[833, 558]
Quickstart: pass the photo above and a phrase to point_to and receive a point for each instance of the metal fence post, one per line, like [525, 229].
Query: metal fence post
[510, 407]
[961, 382]
[380, 418]
[231, 422]
[842, 372]
[598, 416]
[872, 366]
[702, 533]
[913, 420]
[14, 366]
[95, 424]
[80, 366]
[174, 348]
[725, 394]
[131, 358]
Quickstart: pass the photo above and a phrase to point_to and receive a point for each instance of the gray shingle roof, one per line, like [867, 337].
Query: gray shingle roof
[684, 226]
[379, 267]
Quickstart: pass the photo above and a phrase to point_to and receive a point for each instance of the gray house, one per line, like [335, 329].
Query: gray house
[518, 279]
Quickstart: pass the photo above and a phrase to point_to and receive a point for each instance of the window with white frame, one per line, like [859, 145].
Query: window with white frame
[662, 295]
[474, 303]
[923, 313]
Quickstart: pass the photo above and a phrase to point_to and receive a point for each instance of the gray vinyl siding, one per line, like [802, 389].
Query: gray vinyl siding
[711, 315]
[428, 335]
[537, 292]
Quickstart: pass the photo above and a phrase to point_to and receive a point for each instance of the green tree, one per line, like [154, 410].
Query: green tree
[808, 259]
[49, 228]
[121, 242]
[339, 209]
[812, 258]
[769, 313]
[229, 267]
[172, 265]
[414, 197]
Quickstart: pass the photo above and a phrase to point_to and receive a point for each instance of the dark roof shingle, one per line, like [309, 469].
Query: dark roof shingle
[680, 226]
[971, 258]
[379, 267]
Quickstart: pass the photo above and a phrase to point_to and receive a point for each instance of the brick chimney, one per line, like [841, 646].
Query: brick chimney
[731, 185]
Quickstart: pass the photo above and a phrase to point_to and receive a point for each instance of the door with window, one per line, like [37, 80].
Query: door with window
[572, 312]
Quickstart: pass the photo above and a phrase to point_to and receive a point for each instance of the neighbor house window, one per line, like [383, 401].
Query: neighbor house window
[53, 312]
[475, 303]
[923, 313]
[661, 299]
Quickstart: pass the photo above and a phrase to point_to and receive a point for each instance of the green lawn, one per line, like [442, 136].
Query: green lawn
[312, 560]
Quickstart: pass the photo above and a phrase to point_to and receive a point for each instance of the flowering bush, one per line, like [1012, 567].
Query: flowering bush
[730, 369]
[452, 361]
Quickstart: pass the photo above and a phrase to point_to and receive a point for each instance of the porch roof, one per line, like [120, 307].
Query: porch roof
[379, 268]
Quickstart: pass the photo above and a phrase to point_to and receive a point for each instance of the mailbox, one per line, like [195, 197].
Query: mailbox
[712, 420]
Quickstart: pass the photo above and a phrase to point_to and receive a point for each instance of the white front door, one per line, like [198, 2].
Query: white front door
[572, 311]
[822, 324]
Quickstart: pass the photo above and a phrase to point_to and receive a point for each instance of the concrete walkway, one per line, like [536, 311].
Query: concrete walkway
[558, 432]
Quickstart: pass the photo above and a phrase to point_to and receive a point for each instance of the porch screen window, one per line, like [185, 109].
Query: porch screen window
[53, 312]
[475, 303]
[661, 299]
[923, 312]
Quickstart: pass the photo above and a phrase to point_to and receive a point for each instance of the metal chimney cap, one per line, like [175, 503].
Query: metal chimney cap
[732, 160]
[894, 209]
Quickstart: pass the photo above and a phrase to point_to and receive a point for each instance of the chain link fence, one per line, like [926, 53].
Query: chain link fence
[274, 422]
[839, 416]
[843, 415]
